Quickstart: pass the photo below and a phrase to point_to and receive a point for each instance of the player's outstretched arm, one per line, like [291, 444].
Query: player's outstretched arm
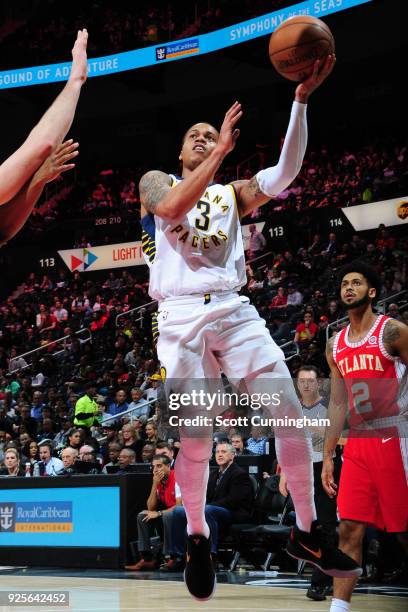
[269, 182]
[336, 414]
[14, 213]
[156, 194]
[50, 130]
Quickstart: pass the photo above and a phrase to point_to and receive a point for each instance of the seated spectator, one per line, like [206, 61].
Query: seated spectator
[305, 332]
[163, 448]
[75, 438]
[151, 433]
[280, 300]
[140, 407]
[131, 440]
[163, 498]
[12, 464]
[31, 452]
[51, 465]
[127, 457]
[393, 312]
[237, 441]
[87, 453]
[148, 452]
[16, 363]
[229, 500]
[114, 449]
[37, 405]
[256, 444]
[68, 456]
[294, 297]
[119, 405]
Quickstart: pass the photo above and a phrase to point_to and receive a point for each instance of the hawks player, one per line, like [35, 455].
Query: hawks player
[367, 361]
[193, 243]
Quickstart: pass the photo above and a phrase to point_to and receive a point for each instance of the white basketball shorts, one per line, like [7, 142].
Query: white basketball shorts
[201, 335]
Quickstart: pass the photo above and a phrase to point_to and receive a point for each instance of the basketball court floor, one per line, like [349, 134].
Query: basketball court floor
[242, 591]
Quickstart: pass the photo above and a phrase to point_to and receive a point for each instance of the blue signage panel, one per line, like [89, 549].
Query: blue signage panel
[78, 516]
[168, 52]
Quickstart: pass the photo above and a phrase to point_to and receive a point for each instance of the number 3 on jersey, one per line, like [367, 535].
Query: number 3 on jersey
[203, 222]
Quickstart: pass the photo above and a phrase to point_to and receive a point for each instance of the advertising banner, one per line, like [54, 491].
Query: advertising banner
[60, 517]
[370, 216]
[171, 51]
[103, 257]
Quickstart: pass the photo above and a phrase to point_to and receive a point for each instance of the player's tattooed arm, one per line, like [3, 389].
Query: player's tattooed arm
[249, 195]
[153, 187]
[395, 339]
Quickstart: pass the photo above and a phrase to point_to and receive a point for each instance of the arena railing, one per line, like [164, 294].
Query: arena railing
[113, 417]
[139, 309]
[380, 306]
[286, 345]
[39, 349]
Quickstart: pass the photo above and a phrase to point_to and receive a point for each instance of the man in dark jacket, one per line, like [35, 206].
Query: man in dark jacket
[229, 500]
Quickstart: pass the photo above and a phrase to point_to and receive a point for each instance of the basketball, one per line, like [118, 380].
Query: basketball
[297, 43]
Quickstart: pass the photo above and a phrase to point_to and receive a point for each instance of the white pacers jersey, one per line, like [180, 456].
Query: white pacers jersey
[200, 253]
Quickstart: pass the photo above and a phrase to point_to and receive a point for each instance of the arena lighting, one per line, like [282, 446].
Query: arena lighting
[180, 49]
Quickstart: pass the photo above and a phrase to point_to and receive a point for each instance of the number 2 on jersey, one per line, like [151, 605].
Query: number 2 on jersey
[203, 222]
[361, 395]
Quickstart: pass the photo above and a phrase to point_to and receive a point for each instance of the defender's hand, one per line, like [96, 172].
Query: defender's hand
[79, 69]
[56, 163]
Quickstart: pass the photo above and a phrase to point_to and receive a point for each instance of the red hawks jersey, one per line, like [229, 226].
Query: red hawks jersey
[372, 378]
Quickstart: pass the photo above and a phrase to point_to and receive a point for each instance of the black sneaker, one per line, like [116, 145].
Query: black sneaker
[316, 592]
[312, 548]
[199, 574]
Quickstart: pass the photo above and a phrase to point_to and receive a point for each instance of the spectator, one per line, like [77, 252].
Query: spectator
[120, 404]
[294, 298]
[114, 449]
[148, 451]
[68, 456]
[163, 448]
[127, 457]
[237, 441]
[140, 408]
[257, 443]
[131, 440]
[151, 433]
[305, 332]
[37, 405]
[12, 464]
[52, 465]
[75, 438]
[257, 242]
[163, 498]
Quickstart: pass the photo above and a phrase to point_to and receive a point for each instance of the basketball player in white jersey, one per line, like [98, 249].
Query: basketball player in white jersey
[193, 244]
[368, 361]
[18, 190]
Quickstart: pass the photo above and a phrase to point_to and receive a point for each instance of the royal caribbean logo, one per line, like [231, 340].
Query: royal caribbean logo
[177, 49]
[36, 517]
[7, 517]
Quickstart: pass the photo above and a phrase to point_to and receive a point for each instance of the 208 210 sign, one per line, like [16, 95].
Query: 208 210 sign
[108, 221]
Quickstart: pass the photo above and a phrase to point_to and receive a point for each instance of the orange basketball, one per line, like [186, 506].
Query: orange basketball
[297, 43]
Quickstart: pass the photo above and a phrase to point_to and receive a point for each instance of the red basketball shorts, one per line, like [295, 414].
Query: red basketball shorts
[373, 483]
